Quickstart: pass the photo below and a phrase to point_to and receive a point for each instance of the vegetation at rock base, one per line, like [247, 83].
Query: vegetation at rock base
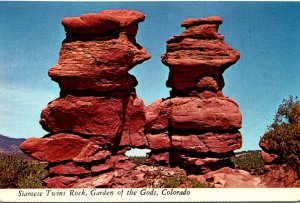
[178, 181]
[17, 172]
[251, 162]
[138, 160]
[283, 136]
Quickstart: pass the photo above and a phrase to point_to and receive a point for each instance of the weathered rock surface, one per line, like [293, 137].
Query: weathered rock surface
[208, 142]
[134, 124]
[97, 66]
[157, 115]
[277, 172]
[68, 168]
[205, 114]
[158, 141]
[60, 181]
[110, 118]
[230, 178]
[199, 165]
[104, 21]
[98, 115]
[202, 124]
[197, 54]
[100, 181]
[60, 147]
[85, 115]
[268, 158]
[279, 175]
[99, 51]
[159, 157]
[193, 113]
[63, 147]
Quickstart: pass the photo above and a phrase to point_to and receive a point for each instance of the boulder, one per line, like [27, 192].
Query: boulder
[219, 114]
[103, 22]
[98, 52]
[159, 141]
[268, 157]
[59, 147]
[63, 147]
[87, 115]
[190, 22]
[206, 50]
[159, 157]
[157, 115]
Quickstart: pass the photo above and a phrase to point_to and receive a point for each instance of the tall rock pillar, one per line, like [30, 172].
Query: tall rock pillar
[98, 114]
[197, 127]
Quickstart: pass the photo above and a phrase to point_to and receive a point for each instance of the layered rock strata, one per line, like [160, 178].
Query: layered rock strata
[98, 114]
[197, 127]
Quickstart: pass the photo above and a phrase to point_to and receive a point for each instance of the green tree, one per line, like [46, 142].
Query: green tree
[16, 172]
[283, 135]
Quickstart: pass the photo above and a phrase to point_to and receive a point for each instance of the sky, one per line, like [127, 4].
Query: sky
[265, 33]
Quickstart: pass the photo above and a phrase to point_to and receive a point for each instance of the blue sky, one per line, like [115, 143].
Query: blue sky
[265, 33]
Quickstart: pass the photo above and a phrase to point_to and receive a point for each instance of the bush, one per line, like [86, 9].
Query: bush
[16, 172]
[178, 180]
[251, 162]
[283, 136]
[196, 184]
[138, 160]
[171, 182]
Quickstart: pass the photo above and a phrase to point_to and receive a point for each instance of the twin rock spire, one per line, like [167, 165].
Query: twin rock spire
[98, 116]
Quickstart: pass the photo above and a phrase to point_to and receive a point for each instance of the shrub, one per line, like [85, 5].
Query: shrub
[138, 160]
[179, 180]
[251, 162]
[172, 182]
[16, 172]
[196, 184]
[283, 136]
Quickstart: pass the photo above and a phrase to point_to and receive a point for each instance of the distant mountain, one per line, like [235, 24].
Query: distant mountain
[8, 144]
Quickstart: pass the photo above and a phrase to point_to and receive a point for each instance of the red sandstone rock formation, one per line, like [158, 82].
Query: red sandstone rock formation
[197, 128]
[277, 173]
[98, 114]
[230, 178]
